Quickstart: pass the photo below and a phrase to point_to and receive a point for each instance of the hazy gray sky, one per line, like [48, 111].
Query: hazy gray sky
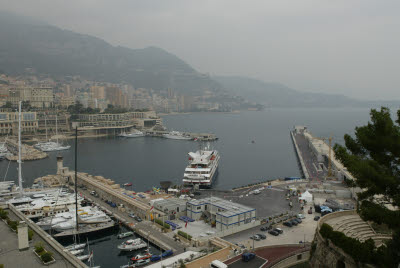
[349, 47]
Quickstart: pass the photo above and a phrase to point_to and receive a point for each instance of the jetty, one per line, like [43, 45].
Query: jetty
[28, 153]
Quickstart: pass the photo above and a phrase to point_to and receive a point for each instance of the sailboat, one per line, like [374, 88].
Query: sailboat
[50, 146]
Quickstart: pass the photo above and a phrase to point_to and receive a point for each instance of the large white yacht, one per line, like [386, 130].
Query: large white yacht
[49, 205]
[202, 168]
[87, 215]
[176, 135]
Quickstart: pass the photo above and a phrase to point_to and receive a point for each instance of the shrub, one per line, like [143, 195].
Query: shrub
[185, 235]
[39, 249]
[1, 265]
[46, 257]
[163, 224]
[13, 225]
[30, 234]
[3, 214]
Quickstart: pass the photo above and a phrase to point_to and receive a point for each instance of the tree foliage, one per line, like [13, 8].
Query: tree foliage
[373, 158]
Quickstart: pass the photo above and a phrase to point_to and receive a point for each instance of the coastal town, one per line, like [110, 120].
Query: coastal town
[199, 134]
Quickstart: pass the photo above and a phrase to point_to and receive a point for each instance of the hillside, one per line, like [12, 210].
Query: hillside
[47, 49]
[278, 95]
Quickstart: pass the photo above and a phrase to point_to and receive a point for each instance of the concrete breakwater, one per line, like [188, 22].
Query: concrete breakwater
[28, 152]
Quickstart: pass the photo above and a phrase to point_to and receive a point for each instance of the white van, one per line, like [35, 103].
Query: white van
[218, 264]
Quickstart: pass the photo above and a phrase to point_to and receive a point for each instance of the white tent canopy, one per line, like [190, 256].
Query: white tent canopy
[306, 196]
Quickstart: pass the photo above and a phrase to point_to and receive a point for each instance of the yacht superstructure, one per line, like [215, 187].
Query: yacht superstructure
[202, 168]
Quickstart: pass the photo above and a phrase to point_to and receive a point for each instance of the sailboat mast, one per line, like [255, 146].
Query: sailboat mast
[21, 189]
[76, 178]
[45, 124]
[56, 128]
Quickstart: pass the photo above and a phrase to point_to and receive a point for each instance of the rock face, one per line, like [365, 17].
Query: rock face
[328, 255]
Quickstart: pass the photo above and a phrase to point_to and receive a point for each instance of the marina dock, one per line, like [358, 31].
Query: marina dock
[124, 202]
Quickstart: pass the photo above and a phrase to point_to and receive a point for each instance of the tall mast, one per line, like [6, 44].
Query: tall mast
[45, 124]
[21, 189]
[56, 128]
[76, 179]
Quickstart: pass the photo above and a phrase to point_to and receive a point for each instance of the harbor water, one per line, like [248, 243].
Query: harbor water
[254, 146]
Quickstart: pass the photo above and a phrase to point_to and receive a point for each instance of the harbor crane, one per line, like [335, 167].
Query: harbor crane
[329, 139]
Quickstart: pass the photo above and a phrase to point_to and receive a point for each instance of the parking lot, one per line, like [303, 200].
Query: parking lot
[270, 201]
[291, 235]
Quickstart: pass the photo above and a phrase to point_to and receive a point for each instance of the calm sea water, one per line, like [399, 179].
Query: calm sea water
[146, 161]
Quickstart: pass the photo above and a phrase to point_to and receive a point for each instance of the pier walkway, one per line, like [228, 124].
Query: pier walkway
[310, 162]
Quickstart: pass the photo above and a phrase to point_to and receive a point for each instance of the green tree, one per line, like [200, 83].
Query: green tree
[373, 158]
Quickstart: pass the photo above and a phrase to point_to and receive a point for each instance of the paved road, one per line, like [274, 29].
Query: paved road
[145, 226]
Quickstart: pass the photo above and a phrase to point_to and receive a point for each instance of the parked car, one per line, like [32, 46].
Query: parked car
[279, 230]
[137, 218]
[300, 216]
[255, 237]
[262, 236]
[298, 220]
[155, 258]
[131, 215]
[294, 222]
[167, 253]
[248, 256]
[316, 218]
[264, 229]
[288, 224]
[273, 232]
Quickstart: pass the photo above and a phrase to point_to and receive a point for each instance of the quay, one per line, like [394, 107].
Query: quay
[316, 159]
[303, 168]
[199, 136]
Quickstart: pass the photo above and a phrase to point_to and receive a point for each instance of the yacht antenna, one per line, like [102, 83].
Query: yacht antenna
[21, 189]
[76, 178]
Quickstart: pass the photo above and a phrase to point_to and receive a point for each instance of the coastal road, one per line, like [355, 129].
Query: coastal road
[145, 226]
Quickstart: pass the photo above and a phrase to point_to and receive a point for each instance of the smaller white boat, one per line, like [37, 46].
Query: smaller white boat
[176, 135]
[132, 244]
[133, 134]
[77, 252]
[75, 246]
[123, 235]
[83, 257]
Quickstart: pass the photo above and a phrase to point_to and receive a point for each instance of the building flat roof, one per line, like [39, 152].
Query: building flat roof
[229, 208]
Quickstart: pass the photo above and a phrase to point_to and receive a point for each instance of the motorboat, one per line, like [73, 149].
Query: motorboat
[123, 235]
[133, 134]
[77, 251]
[132, 244]
[75, 246]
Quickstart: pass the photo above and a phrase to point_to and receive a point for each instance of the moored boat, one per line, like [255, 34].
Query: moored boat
[132, 244]
[202, 168]
[176, 135]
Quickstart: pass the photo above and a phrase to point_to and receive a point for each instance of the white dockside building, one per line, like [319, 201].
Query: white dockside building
[226, 214]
